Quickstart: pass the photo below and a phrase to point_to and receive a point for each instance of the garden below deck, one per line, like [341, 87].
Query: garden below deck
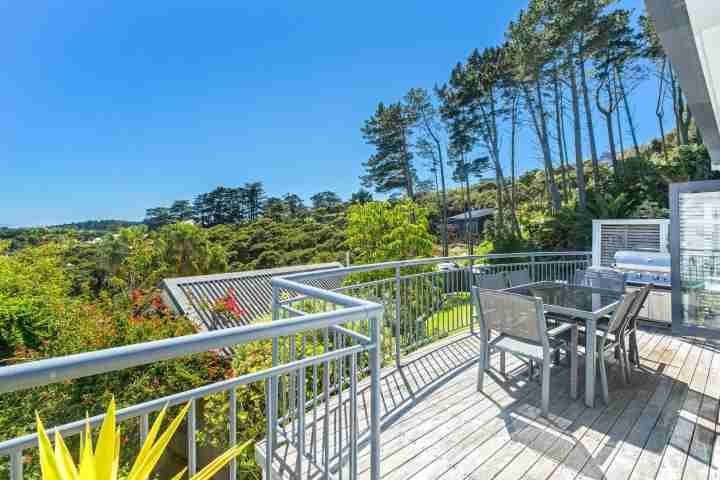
[436, 425]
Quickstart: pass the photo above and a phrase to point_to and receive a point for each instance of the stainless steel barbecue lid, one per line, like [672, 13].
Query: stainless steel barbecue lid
[644, 261]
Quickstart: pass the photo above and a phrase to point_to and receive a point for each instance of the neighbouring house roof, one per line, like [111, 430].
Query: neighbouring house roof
[249, 294]
[474, 215]
[689, 31]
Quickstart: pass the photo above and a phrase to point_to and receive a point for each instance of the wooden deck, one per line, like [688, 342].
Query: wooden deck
[437, 426]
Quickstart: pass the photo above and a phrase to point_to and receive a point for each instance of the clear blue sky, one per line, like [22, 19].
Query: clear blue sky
[109, 108]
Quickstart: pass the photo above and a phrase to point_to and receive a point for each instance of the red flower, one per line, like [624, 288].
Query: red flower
[232, 305]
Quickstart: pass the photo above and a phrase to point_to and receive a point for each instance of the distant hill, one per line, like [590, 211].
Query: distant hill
[98, 225]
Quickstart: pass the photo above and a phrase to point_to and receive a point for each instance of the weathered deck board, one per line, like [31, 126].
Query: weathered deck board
[665, 424]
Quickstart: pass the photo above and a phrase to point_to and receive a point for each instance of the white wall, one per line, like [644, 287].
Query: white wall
[705, 20]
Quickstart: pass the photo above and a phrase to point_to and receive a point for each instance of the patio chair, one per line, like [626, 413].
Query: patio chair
[611, 340]
[632, 323]
[520, 323]
[519, 277]
[601, 277]
[492, 281]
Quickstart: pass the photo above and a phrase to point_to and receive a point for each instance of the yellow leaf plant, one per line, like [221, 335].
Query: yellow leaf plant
[102, 463]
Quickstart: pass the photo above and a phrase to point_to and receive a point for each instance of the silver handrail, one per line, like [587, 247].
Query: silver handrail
[409, 295]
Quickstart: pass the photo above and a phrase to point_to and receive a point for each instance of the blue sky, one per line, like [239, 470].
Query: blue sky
[109, 108]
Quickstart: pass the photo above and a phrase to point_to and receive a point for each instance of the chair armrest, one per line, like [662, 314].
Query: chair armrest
[561, 329]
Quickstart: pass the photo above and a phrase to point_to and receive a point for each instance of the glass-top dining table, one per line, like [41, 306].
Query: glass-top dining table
[587, 304]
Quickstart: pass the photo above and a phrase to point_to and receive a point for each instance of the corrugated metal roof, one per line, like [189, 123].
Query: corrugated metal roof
[198, 297]
[474, 214]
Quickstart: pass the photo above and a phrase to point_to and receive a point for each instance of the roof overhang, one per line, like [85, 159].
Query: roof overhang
[690, 34]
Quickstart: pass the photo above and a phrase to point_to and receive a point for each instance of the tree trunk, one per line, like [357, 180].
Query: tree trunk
[620, 134]
[468, 217]
[628, 114]
[607, 114]
[559, 128]
[540, 122]
[441, 162]
[579, 167]
[513, 172]
[589, 118]
[678, 109]
[660, 108]
[566, 158]
[407, 172]
[489, 132]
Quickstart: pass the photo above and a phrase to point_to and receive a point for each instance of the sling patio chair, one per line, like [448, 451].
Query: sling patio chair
[601, 277]
[492, 281]
[519, 277]
[519, 322]
[611, 341]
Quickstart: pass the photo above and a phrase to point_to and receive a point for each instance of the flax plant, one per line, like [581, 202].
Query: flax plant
[102, 463]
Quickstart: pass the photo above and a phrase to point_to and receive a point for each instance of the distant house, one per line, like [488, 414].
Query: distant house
[232, 299]
[474, 221]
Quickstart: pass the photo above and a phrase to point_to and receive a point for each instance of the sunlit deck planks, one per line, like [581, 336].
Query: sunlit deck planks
[437, 426]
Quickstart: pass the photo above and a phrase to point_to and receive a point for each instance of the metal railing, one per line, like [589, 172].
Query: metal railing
[323, 344]
[422, 304]
[286, 382]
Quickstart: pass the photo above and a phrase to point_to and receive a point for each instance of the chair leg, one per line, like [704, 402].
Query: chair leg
[573, 363]
[621, 361]
[603, 378]
[626, 364]
[546, 387]
[482, 362]
[502, 363]
[634, 347]
[531, 369]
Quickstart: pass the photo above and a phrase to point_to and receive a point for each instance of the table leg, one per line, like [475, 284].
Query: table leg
[590, 341]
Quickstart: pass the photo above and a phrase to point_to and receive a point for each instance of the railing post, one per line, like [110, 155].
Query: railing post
[272, 409]
[397, 316]
[532, 268]
[16, 465]
[144, 427]
[191, 438]
[301, 421]
[375, 360]
[232, 427]
[470, 285]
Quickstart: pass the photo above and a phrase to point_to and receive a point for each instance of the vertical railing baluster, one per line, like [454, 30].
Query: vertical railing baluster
[292, 378]
[232, 426]
[270, 436]
[315, 407]
[353, 417]
[16, 465]
[397, 316]
[191, 438]
[144, 427]
[532, 268]
[326, 419]
[375, 399]
[301, 421]
[274, 381]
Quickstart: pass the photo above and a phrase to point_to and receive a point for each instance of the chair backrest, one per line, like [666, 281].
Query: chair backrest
[640, 301]
[623, 312]
[519, 277]
[511, 314]
[492, 281]
[603, 277]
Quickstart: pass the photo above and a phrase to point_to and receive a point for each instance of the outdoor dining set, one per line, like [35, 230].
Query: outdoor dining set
[535, 322]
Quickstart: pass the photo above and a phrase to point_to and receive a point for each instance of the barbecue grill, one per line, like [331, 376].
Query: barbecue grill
[642, 267]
